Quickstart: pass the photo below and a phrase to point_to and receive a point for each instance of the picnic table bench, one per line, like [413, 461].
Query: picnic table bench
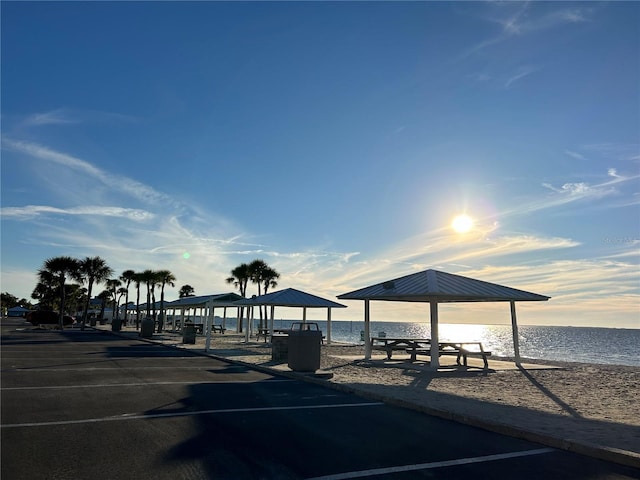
[459, 349]
[390, 345]
[200, 327]
[423, 346]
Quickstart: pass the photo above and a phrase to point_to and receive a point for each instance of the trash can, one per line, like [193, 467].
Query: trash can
[280, 346]
[116, 325]
[304, 347]
[146, 327]
[189, 334]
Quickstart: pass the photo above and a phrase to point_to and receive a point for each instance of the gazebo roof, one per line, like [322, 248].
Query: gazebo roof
[290, 297]
[442, 287]
[223, 299]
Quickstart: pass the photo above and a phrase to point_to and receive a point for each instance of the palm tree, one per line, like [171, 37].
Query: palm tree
[148, 277]
[137, 279]
[127, 277]
[154, 283]
[112, 286]
[186, 291]
[104, 296]
[269, 280]
[166, 278]
[61, 268]
[120, 293]
[76, 295]
[94, 270]
[45, 291]
[240, 278]
[255, 275]
[264, 276]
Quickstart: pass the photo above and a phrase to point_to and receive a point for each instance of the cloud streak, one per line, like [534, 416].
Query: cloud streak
[517, 19]
[31, 211]
[135, 189]
[66, 116]
[519, 74]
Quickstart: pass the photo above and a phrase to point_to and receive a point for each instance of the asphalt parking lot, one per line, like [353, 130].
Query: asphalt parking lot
[91, 405]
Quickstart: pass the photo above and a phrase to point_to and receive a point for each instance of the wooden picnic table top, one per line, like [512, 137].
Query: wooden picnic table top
[390, 341]
[419, 342]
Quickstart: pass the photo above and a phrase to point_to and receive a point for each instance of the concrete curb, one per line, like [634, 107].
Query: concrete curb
[622, 457]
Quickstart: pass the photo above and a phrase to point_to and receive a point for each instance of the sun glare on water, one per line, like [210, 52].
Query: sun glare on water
[462, 223]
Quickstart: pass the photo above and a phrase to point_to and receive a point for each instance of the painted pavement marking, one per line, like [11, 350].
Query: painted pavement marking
[147, 384]
[432, 465]
[133, 416]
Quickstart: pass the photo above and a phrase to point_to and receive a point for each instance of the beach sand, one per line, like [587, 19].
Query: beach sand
[587, 408]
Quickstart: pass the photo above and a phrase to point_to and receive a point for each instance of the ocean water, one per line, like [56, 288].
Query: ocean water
[610, 346]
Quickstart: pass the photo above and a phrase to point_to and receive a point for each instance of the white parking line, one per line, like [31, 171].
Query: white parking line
[118, 367]
[428, 466]
[147, 384]
[133, 416]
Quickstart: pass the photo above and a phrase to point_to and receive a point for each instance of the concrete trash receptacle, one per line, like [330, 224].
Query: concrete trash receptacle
[189, 334]
[116, 325]
[146, 327]
[304, 350]
[279, 346]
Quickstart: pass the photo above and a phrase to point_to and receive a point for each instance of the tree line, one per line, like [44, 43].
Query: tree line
[55, 290]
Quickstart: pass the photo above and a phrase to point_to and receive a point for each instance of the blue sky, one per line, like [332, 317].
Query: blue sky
[336, 141]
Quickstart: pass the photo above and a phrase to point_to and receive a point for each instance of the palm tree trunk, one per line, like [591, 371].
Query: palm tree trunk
[86, 305]
[62, 298]
[137, 306]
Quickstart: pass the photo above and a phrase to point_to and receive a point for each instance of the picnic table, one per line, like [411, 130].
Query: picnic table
[198, 326]
[389, 345]
[264, 333]
[423, 346]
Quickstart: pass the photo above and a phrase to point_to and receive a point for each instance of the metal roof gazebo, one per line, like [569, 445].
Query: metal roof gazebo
[290, 297]
[207, 305]
[436, 287]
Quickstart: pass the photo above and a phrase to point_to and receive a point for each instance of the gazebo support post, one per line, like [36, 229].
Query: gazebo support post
[516, 338]
[435, 340]
[328, 325]
[367, 337]
[273, 314]
[211, 309]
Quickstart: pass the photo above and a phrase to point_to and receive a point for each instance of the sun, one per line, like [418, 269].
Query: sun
[462, 223]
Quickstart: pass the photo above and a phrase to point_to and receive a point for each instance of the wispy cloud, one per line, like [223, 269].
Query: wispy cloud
[572, 192]
[32, 211]
[576, 155]
[579, 189]
[67, 116]
[118, 183]
[612, 172]
[522, 18]
[55, 117]
[519, 74]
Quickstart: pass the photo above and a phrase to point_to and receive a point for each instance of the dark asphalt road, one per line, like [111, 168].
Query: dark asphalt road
[90, 405]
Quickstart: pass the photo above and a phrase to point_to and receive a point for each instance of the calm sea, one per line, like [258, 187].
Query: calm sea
[612, 346]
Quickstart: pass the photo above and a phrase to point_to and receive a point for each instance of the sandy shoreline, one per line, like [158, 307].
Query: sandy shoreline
[576, 406]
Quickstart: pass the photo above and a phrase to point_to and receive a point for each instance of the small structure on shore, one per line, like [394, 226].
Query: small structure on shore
[290, 297]
[17, 311]
[434, 287]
